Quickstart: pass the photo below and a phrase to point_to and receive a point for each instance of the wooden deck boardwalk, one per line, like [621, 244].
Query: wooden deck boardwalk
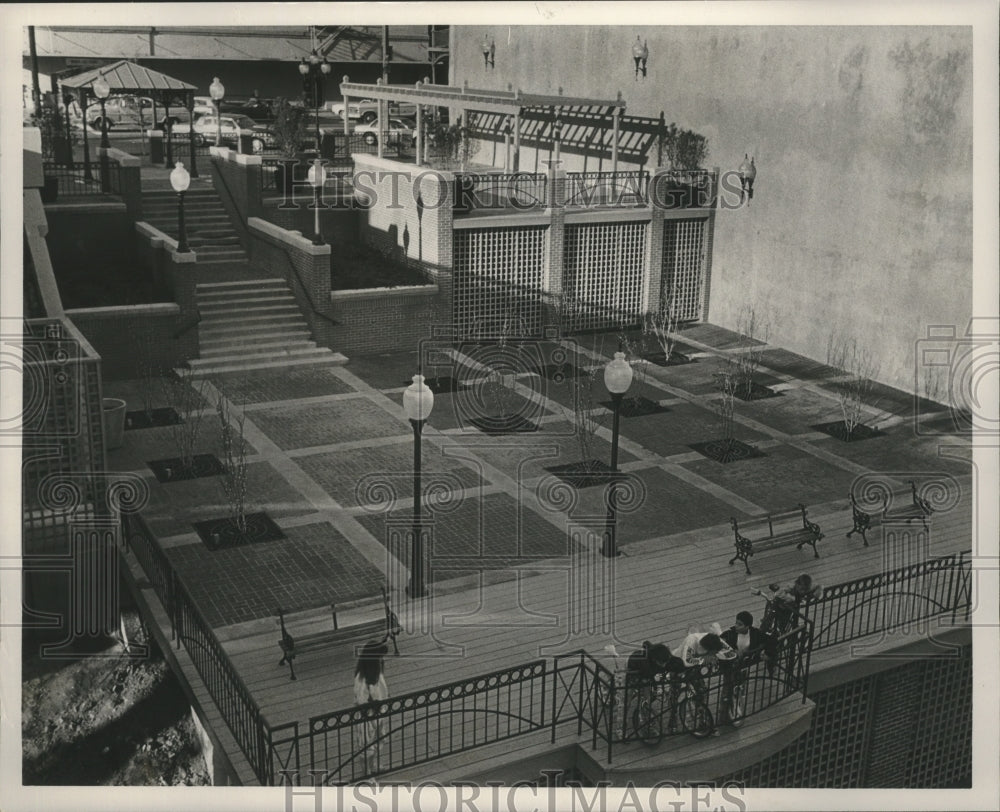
[657, 591]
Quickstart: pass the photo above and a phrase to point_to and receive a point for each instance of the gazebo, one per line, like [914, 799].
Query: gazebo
[126, 78]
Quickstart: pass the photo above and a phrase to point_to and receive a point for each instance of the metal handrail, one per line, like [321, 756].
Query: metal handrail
[889, 600]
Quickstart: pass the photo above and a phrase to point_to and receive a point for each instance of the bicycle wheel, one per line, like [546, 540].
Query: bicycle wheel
[695, 717]
[646, 723]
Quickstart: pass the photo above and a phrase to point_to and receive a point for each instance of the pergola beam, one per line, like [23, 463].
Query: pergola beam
[490, 101]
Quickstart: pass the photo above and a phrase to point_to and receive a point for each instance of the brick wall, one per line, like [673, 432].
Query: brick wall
[130, 336]
[133, 338]
[236, 179]
[382, 320]
[410, 209]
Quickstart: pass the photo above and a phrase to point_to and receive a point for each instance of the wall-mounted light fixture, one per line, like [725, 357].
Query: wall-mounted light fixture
[640, 53]
[489, 51]
[748, 172]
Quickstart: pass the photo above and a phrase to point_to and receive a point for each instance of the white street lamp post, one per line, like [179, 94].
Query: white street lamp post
[418, 401]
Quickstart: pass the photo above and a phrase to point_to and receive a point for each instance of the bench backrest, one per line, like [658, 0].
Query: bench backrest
[796, 514]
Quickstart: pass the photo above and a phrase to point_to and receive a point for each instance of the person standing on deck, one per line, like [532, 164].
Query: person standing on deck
[370, 686]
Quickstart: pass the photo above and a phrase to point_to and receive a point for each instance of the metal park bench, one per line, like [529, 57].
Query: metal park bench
[919, 508]
[792, 528]
[386, 627]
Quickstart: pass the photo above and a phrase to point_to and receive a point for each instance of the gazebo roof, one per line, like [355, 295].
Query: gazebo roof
[127, 77]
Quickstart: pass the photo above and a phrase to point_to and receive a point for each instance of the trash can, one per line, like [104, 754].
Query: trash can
[156, 146]
[245, 146]
[113, 421]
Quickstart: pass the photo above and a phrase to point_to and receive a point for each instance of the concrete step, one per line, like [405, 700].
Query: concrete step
[216, 327]
[222, 311]
[189, 206]
[198, 241]
[234, 348]
[260, 308]
[258, 284]
[225, 252]
[220, 223]
[330, 359]
[247, 296]
[264, 335]
[262, 357]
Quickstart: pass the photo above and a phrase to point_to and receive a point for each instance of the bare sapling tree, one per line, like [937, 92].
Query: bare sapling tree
[588, 414]
[186, 393]
[500, 379]
[855, 386]
[233, 450]
[728, 382]
[754, 332]
[662, 324]
[632, 347]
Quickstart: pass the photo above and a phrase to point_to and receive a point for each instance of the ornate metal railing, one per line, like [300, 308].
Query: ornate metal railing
[585, 690]
[139, 541]
[73, 182]
[367, 740]
[684, 189]
[606, 702]
[232, 697]
[937, 587]
[362, 741]
[518, 191]
[606, 188]
[241, 713]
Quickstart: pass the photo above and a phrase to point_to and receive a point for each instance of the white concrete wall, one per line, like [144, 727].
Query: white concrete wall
[862, 213]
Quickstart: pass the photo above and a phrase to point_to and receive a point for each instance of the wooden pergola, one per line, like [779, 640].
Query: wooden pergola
[129, 79]
[510, 112]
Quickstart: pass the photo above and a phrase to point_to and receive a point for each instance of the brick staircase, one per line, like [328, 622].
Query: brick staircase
[253, 324]
[209, 232]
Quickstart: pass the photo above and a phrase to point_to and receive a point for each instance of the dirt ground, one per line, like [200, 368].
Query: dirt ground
[106, 718]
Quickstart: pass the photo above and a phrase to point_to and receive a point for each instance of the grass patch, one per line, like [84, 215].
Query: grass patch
[355, 267]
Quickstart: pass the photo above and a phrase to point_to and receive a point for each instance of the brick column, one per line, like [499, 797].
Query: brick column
[439, 214]
[129, 182]
[552, 270]
[653, 261]
[250, 165]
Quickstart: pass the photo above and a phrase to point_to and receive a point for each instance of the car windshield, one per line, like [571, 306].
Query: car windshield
[244, 122]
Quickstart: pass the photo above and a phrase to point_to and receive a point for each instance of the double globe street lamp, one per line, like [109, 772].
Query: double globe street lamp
[418, 401]
[313, 70]
[617, 379]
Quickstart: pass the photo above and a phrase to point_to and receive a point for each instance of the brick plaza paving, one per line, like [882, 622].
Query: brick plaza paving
[330, 455]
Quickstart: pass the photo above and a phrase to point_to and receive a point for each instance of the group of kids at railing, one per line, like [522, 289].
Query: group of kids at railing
[674, 679]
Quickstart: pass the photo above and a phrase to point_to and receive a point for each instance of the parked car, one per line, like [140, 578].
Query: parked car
[264, 139]
[123, 112]
[256, 108]
[207, 127]
[400, 131]
[367, 109]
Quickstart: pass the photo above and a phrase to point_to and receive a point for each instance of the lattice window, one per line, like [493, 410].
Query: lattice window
[863, 735]
[602, 275]
[683, 274]
[498, 282]
[942, 749]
